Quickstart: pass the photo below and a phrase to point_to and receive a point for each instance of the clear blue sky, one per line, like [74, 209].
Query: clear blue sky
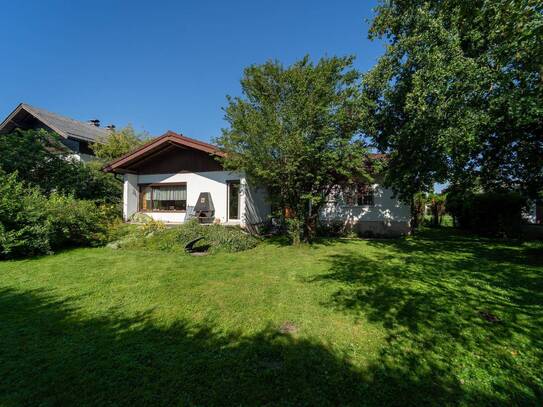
[163, 64]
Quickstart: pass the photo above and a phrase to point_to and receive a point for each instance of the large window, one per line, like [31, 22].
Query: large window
[359, 195]
[164, 197]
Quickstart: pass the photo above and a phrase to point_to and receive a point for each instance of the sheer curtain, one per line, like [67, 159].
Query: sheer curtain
[170, 193]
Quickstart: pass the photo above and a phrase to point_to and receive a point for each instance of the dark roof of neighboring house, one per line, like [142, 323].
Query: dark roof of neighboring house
[157, 145]
[24, 117]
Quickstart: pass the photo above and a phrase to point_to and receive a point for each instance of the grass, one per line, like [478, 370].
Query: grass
[340, 322]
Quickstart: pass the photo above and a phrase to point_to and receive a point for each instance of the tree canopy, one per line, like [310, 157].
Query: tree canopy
[41, 160]
[296, 130]
[458, 94]
[118, 143]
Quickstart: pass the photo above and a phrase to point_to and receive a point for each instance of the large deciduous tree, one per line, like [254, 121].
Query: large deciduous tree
[458, 94]
[296, 130]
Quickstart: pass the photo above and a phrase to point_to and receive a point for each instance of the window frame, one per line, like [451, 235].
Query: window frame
[159, 184]
[356, 195]
[228, 185]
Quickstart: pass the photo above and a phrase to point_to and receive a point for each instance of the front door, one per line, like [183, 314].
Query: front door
[233, 188]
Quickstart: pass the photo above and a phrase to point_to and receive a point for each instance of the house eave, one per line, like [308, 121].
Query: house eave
[156, 146]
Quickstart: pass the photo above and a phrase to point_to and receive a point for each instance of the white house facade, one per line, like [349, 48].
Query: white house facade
[166, 178]
[174, 178]
[368, 210]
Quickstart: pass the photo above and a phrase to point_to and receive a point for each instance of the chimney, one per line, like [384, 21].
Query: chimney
[95, 122]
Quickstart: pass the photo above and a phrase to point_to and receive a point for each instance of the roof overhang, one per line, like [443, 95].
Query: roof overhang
[169, 140]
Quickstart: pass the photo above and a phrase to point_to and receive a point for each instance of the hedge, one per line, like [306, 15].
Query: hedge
[32, 223]
[492, 213]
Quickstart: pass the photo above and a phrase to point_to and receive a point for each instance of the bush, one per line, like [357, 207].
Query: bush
[332, 228]
[294, 230]
[492, 213]
[139, 217]
[32, 223]
[73, 222]
[154, 235]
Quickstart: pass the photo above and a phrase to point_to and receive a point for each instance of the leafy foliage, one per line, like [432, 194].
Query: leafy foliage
[495, 213]
[296, 130]
[153, 235]
[32, 223]
[118, 143]
[458, 94]
[418, 205]
[23, 229]
[42, 161]
[437, 207]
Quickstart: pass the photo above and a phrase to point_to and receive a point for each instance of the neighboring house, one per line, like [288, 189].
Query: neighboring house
[168, 176]
[75, 135]
[368, 209]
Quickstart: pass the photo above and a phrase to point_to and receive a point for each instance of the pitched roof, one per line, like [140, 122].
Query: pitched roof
[157, 144]
[64, 126]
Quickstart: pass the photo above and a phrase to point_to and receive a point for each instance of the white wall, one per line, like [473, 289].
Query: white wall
[213, 182]
[385, 209]
[130, 195]
[257, 205]
[530, 214]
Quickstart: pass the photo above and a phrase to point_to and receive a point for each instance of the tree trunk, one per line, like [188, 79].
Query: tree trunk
[414, 217]
[435, 214]
[310, 227]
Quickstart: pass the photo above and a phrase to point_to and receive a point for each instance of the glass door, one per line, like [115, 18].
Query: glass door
[233, 199]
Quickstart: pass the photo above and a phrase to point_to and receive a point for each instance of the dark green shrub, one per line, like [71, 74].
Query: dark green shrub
[23, 229]
[32, 223]
[492, 213]
[73, 222]
[332, 228]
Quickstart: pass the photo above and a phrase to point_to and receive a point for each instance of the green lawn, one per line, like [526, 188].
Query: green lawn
[341, 322]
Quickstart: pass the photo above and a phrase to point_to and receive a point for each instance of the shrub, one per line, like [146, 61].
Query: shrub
[294, 230]
[32, 223]
[73, 222]
[332, 228]
[493, 213]
[152, 226]
[158, 237]
[139, 217]
[23, 229]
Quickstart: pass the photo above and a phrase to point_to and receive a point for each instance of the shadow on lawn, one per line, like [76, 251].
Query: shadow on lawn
[432, 294]
[51, 355]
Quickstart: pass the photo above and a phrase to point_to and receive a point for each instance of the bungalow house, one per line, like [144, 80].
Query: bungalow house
[173, 178]
[74, 134]
[167, 177]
